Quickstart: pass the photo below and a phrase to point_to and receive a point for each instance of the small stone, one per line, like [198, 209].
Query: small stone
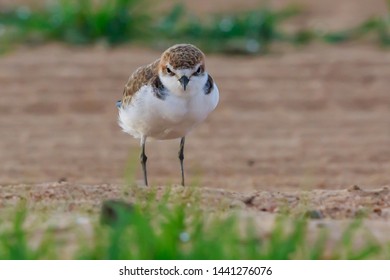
[116, 212]
[354, 188]
[249, 200]
[314, 214]
[62, 180]
[378, 211]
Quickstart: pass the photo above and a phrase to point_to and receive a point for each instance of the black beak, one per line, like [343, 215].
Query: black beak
[184, 81]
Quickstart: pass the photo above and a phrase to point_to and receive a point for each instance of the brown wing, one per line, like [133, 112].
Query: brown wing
[142, 76]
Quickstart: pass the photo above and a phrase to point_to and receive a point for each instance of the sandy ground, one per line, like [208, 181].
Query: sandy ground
[308, 119]
[297, 127]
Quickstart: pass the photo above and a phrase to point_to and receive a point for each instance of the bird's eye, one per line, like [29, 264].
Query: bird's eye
[169, 71]
[199, 70]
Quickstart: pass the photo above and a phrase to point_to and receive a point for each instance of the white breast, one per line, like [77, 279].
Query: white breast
[169, 118]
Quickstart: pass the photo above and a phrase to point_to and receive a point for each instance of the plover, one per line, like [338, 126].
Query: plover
[167, 99]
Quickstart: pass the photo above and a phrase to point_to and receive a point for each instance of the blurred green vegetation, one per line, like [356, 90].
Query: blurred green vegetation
[78, 22]
[120, 21]
[174, 226]
[242, 32]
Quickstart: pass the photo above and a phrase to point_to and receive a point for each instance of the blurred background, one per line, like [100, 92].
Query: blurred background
[304, 90]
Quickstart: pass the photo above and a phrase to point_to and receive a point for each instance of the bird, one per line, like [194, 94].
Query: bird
[167, 98]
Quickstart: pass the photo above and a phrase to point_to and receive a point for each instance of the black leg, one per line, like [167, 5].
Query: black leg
[181, 157]
[143, 159]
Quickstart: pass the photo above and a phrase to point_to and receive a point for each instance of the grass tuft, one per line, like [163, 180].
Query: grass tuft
[172, 225]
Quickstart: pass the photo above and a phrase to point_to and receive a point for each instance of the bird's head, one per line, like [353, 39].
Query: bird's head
[182, 68]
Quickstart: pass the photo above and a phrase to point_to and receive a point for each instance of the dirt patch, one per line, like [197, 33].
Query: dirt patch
[353, 202]
[67, 207]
